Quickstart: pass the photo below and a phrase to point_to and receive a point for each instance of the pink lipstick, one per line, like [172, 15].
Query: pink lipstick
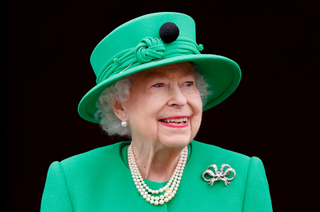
[175, 121]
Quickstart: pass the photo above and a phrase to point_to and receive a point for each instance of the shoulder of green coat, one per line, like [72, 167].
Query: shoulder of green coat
[93, 156]
[218, 153]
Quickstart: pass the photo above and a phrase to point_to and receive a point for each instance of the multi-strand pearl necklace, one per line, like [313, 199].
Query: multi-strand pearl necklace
[170, 189]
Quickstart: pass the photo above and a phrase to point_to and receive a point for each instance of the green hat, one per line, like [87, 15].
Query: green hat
[154, 40]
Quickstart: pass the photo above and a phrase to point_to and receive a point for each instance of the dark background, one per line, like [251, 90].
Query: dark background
[45, 71]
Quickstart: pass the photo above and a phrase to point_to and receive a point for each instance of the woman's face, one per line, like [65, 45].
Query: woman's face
[165, 106]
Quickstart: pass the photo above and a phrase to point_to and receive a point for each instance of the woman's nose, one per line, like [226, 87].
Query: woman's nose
[177, 98]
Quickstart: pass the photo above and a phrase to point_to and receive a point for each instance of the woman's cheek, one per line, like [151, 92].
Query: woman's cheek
[195, 102]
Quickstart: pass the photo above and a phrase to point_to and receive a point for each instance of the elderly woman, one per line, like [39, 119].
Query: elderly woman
[152, 85]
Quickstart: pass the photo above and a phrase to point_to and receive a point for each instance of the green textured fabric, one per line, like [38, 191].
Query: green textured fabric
[136, 46]
[100, 180]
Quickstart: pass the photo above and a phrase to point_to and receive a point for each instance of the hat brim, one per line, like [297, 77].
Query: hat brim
[220, 72]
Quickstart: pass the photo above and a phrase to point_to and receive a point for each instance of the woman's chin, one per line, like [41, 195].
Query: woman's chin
[178, 141]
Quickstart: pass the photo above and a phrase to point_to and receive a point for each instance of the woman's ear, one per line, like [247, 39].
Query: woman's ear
[118, 110]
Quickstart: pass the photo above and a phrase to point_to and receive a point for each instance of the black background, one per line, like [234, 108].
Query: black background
[45, 71]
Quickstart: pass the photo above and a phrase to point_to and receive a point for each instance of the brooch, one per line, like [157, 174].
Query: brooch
[219, 175]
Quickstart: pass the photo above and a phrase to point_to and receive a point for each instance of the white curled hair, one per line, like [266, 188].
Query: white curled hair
[120, 92]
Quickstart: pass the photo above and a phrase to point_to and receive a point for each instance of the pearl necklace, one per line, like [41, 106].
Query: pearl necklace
[169, 191]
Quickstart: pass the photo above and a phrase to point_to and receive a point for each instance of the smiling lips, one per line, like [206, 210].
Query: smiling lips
[175, 121]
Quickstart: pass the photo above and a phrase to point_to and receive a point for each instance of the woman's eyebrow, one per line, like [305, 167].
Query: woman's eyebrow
[161, 75]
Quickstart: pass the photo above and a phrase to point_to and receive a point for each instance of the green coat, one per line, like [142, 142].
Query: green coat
[100, 180]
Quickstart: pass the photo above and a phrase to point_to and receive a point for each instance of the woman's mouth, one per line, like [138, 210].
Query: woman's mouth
[175, 121]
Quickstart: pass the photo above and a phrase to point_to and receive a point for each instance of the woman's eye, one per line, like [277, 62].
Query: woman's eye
[158, 85]
[188, 84]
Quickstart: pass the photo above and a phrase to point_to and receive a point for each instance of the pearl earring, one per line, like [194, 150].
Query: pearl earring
[124, 123]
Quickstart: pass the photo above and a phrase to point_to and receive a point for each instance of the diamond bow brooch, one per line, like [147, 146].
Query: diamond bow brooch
[225, 170]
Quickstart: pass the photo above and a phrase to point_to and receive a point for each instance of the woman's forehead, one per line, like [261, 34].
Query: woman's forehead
[168, 71]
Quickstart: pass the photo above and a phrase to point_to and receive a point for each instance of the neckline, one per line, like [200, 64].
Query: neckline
[153, 184]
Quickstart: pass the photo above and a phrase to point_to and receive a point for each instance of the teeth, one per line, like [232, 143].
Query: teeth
[176, 120]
